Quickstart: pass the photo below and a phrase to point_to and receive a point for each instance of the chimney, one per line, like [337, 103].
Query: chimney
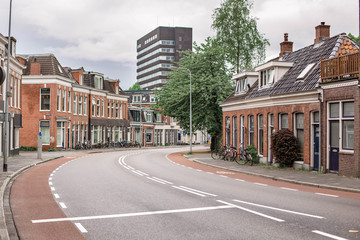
[286, 46]
[322, 32]
[34, 67]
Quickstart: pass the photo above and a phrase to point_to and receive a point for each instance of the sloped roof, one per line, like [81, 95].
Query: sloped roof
[49, 65]
[300, 59]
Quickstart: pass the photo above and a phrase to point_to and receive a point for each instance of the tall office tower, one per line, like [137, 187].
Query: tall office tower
[157, 50]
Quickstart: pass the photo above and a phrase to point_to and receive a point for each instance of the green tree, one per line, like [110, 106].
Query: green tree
[355, 39]
[238, 34]
[135, 87]
[211, 84]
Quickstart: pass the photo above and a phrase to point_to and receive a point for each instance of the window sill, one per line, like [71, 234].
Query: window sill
[346, 152]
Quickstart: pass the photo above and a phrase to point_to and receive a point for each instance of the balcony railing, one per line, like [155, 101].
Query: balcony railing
[339, 68]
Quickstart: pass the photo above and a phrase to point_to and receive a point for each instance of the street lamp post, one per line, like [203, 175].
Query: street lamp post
[6, 136]
[191, 135]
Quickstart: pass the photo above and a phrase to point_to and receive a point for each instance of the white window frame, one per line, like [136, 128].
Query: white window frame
[341, 119]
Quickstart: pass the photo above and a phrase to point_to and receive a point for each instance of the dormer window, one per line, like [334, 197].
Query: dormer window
[241, 86]
[271, 72]
[266, 77]
[136, 98]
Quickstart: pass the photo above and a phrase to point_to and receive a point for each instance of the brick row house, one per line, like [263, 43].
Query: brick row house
[156, 128]
[68, 106]
[15, 76]
[149, 126]
[289, 92]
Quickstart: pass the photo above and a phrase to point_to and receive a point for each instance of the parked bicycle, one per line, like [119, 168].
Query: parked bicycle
[244, 156]
[227, 153]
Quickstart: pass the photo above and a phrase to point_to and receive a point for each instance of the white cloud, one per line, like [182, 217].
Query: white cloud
[107, 30]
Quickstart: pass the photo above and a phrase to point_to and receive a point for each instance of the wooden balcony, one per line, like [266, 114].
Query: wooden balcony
[340, 68]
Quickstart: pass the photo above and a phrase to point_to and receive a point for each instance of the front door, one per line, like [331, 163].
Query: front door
[316, 147]
[334, 146]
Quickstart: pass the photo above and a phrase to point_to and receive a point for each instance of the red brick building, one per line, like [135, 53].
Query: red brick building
[287, 92]
[15, 76]
[68, 106]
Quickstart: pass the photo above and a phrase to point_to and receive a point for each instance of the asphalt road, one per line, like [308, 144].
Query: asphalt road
[144, 195]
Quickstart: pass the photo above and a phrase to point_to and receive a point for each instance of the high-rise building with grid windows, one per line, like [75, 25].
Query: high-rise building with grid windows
[156, 52]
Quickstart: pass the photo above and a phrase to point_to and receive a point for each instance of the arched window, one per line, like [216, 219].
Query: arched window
[235, 130]
[299, 131]
[251, 129]
[227, 130]
[261, 134]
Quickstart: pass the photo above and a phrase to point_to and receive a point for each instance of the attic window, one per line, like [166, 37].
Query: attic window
[305, 71]
[266, 77]
[241, 86]
[60, 70]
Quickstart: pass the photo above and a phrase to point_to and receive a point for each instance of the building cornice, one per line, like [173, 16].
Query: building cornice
[46, 79]
[269, 101]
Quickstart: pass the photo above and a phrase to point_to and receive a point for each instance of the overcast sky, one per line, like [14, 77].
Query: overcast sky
[101, 35]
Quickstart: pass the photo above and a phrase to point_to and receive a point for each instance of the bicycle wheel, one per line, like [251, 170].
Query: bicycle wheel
[215, 155]
[240, 159]
[249, 159]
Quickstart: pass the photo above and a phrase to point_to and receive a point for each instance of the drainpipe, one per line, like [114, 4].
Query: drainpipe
[320, 118]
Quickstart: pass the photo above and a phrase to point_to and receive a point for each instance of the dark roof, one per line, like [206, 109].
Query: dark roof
[300, 59]
[49, 65]
[107, 86]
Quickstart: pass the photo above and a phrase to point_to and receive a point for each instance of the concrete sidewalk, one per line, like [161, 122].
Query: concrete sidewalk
[315, 179]
[18, 164]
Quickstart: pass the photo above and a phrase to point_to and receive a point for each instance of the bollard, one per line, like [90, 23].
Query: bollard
[39, 148]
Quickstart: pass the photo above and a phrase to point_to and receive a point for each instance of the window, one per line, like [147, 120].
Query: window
[241, 86]
[148, 135]
[98, 82]
[117, 110]
[305, 72]
[121, 111]
[158, 117]
[227, 130]
[153, 98]
[85, 105]
[343, 114]
[266, 77]
[261, 134]
[299, 131]
[242, 131]
[135, 115]
[64, 101]
[45, 99]
[284, 121]
[113, 110]
[60, 134]
[75, 104]
[136, 98]
[45, 132]
[58, 99]
[93, 107]
[148, 117]
[69, 101]
[80, 105]
[98, 107]
[102, 108]
[234, 132]
[108, 110]
[251, 130]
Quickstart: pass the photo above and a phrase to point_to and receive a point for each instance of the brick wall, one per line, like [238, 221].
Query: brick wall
[276, 110]
[349, 162]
